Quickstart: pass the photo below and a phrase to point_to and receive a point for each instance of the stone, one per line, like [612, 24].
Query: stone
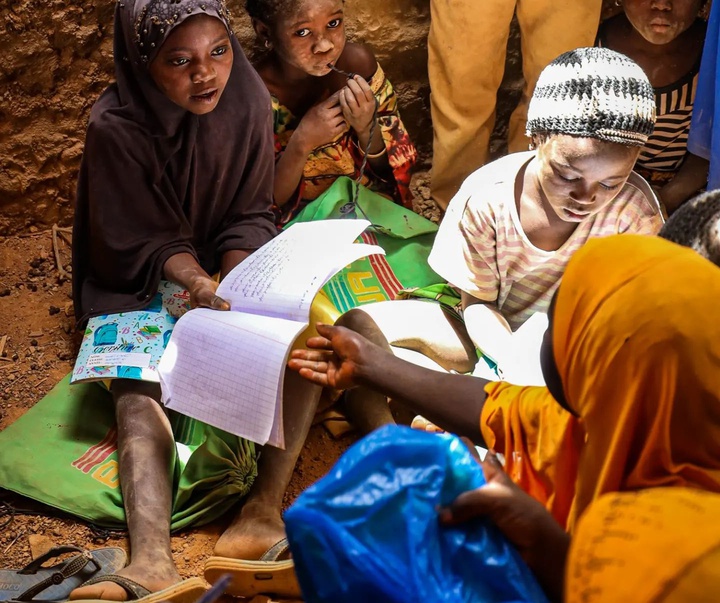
[39, 544]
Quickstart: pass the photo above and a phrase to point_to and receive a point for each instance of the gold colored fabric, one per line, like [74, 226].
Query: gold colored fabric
[321, 310]
[538, 439]
[636, 335]
[660, 545]
[467, 46]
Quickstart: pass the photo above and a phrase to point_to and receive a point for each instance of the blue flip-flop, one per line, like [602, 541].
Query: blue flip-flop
[54, 583]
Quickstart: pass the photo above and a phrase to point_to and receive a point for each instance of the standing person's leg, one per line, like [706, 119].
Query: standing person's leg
[146, 451]
[466, 62]
[259, 524]
[547, 29]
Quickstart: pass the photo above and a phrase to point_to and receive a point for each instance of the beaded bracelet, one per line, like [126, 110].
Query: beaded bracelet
[376, 155]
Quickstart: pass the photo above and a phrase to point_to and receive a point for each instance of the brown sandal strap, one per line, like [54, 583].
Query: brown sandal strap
[71, 567]
[281, 547]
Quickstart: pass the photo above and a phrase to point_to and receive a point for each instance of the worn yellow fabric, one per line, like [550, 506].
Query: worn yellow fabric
[636, 336]
[539, 440]
[660, 545]
[321, 310]
[467, 46]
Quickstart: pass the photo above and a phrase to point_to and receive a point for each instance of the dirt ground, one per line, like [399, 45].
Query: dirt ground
[38, 343]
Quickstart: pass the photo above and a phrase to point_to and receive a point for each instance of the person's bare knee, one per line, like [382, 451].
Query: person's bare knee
[418, 326]
[134, 388]
[359, 321]
[136, 398]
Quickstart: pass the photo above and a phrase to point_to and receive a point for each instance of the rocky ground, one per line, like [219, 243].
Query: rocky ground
[38, 343]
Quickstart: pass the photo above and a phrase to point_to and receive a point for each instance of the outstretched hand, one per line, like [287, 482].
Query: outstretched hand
[525, 522]
[335, 359]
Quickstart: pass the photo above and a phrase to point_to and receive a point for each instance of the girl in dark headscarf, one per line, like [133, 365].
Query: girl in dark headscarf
[160, 178]
[175, 185]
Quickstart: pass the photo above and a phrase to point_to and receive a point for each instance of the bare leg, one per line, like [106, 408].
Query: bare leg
[259, 524]
[146, 452]
[414, 325]
[366, 409]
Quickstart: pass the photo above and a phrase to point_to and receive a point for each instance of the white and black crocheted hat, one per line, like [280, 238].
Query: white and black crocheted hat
[593, 93]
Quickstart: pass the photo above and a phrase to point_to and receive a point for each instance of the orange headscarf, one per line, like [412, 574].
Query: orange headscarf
[653, 546]
[636, 335]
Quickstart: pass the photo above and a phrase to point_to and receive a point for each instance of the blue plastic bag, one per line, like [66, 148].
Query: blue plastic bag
[369, 530]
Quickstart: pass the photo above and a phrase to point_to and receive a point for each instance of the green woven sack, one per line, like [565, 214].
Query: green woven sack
[406, 237]
[62, 452]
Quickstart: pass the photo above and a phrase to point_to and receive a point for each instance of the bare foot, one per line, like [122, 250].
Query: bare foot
[153, 576]
[251, 533]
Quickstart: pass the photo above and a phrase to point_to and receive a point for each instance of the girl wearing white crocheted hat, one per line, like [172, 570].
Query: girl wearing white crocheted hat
[513, 226]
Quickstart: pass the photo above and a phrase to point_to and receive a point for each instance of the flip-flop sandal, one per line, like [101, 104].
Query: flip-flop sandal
[37, 583]
[265, 576]
[334, 422]
[187, 591]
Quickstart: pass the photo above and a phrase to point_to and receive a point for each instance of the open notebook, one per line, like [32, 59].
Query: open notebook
[226, 368]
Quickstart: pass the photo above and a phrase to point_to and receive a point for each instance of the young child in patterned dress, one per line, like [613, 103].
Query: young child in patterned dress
[665, 37]
[325, 122]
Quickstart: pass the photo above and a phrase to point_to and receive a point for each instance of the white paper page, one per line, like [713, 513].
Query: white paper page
[490, 331]
[224, 368]
[277, 431]
[524, 367]
[282, 278]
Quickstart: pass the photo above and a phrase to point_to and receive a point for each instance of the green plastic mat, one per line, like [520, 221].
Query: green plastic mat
[63, 453]
[406, 237]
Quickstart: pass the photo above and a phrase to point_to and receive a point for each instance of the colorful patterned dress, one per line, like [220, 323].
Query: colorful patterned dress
[342, 157]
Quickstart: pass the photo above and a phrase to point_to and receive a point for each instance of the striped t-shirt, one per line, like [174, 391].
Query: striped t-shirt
[666, 148]
[481, 248]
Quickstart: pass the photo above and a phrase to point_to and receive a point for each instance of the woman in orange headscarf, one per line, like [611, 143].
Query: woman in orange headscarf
[632, 468]
[633, 353]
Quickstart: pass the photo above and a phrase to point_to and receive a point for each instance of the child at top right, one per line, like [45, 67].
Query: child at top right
[665, 37]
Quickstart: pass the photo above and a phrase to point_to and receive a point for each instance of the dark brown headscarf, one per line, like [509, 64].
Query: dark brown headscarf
[157, 180]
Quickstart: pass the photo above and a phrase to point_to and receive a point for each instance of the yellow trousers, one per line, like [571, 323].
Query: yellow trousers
[467, 46]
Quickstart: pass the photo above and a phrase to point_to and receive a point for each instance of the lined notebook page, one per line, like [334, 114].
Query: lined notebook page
[225, 368]
[282, 278]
